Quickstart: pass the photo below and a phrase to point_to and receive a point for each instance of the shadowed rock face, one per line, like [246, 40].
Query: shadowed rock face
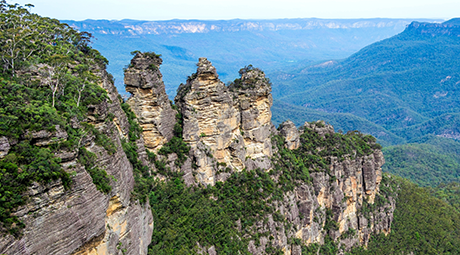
[82, 220]
[149, 101]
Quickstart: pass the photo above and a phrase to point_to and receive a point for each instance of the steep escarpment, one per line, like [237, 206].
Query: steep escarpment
[87, 217]
[329, 193]
[66, 182]
[448, 28]
[288, 190]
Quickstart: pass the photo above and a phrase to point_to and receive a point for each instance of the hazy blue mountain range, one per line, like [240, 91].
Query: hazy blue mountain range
[271, 45]
[407, 84]
[404, 90]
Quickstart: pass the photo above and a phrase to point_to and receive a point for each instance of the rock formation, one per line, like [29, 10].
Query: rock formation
[252, 91]
[289, 131]
[4, 146]
[228, 129]
[342, 195]
[82, 219]
[149, 101]
[226, 126]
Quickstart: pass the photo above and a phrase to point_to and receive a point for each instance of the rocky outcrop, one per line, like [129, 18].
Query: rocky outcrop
[252, 91]
[228, 129]
[83, 220]
[149, 101]
[343, 202]
[45, 137]
[211, 123]
[226, 126]
[289, 131]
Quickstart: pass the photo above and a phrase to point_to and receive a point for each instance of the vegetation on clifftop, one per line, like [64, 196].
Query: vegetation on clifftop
[47, 82]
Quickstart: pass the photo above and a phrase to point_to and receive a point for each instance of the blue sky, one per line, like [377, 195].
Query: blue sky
[243, 9]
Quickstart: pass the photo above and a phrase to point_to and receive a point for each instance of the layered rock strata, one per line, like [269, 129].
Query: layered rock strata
[226, 126]
[83, 220]
[253, 93]
[149, 101]
[343, 195]
[229, 128]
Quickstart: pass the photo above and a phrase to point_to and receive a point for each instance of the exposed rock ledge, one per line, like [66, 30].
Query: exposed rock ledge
[82, 220]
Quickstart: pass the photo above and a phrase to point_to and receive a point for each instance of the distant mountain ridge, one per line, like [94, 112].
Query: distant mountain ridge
[139, 27]
[398, 83]
[272, 45]
[450, 28]
[403, 90]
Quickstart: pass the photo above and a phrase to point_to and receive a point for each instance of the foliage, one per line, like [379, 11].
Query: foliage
[187, 216]
[47, 80]
[151, 54]
[341, 121]
[25, 164]
[422, 224]
[135, 130]
[430, 162]
[100, 138]
[449, 193]
[399, 89]
[208, 215]
[240, 84]
[143, 181]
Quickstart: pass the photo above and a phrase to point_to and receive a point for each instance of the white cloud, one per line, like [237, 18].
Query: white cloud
[245, 9]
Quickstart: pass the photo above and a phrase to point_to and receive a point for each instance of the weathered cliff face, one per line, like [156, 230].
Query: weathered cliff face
[252, 91]
[226, 126]
[343, 203]
[82, 219]
[149, 101]
[211, 123]
[228, 129]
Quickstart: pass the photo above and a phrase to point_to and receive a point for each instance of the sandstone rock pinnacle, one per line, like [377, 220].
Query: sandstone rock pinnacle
[149, 100]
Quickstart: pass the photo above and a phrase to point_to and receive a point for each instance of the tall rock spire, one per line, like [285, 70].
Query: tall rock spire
[231, 123]
[149, 101]
[211, 123]
[252, 91]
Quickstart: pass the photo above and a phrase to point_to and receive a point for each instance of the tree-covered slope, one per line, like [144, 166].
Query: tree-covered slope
[53, 112]
[396, 83]
[341, 121]
[423, 224]
[47, 82]
[428, 161]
